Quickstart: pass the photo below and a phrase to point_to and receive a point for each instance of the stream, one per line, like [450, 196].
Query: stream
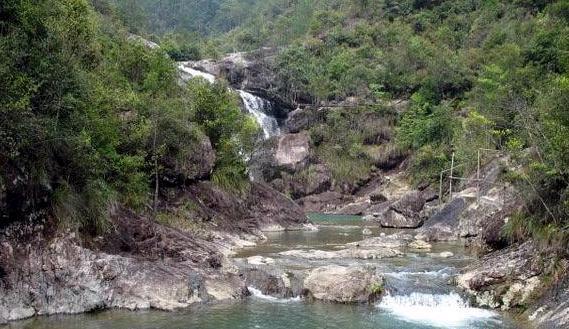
[418, 293]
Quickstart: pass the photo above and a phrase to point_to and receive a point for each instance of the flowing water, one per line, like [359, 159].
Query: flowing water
[417, 285]
[255, 106]
[258, 108]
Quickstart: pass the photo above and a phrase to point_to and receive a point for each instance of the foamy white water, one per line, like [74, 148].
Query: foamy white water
[256, 106]
[196, 73]
[448, 311]
[259, 294]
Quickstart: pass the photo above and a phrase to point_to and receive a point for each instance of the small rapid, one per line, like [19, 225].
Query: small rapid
[445, 311]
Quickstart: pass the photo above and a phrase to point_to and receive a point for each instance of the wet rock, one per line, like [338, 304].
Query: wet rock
[260, 260]
[384, 241]
[274, 282]
[419, 244]
[357, 253]
[367, 231]
[504, 279]
[344, 284]
[446, 254]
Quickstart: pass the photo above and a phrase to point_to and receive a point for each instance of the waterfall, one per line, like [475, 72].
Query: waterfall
[446, 310]
[257, 106]
[195, 73]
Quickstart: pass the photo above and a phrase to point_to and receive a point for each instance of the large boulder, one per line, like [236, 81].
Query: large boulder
[341, 284]
[313, 180]
[293, 151]
[284, 154]
[196, 164]
[403, 213]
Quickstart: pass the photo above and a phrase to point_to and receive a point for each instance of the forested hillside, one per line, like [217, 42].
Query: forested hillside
[412, 155]
[89, 120]
[479, 74]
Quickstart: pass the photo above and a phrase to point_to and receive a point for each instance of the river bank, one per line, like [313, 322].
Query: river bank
[418, 293]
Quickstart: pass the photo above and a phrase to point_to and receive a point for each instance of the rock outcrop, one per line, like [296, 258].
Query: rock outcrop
[164, 269]
[344, 284]
[505, 279]
[356, 253]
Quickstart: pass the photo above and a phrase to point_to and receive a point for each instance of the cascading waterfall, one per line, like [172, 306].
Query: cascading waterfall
[445, 310]
[257, 106]
[192, 73]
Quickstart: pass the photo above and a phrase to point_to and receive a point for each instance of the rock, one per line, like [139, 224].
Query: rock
[384, 241]
[356, 253]
[275, 283]
[301, 119]
[419, 244]
[367, 231]
[410, 204]
[261, 208]
[323, 202]
[251, 71]
[446, 254]
[66, 278]
[377, 198]
[552, 309]
[393, 219]
[197, 164]
[281, 155]
[315, 179]
[293, 151]
[506, 278]
[260, 260]
[344, 284]
[443, 226]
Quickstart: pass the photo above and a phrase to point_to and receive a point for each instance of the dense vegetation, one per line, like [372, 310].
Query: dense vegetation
[479, 74]
[89, 120]
[85, 114]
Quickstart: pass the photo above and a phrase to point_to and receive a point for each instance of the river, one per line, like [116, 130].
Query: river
[418, 293]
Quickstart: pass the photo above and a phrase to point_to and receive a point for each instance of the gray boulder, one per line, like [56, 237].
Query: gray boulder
[341, 284]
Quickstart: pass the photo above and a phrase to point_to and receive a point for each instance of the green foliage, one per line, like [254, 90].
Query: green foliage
[89, 120]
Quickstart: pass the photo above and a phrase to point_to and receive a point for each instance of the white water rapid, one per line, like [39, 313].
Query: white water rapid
[446, 311]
